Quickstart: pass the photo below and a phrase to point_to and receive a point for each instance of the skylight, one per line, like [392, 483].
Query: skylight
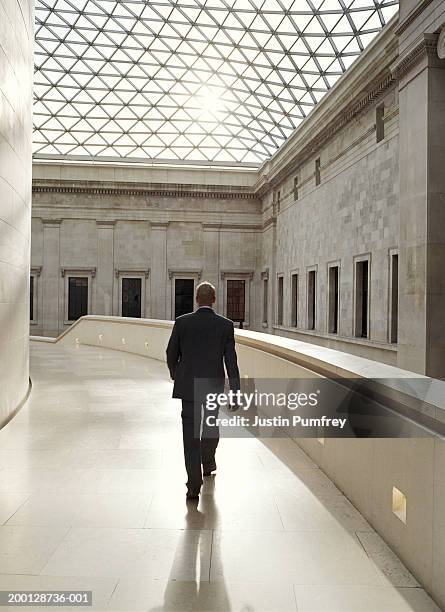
[219, 81]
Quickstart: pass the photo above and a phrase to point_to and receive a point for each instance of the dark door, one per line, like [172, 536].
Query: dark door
[184, 288]
[77, 297]
[131, 297]
[31, 298]
[365, 300]
[236, 295]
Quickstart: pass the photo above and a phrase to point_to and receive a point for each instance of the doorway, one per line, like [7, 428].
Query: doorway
[131, 297]
[184, 296]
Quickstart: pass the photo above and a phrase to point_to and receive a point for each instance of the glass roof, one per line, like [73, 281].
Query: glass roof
[195, 81]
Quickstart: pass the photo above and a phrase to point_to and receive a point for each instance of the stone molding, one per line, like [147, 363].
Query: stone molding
[240, 226]
[246, 273]
[120, 272]
[426, 47]
[210, 226]
[390, 114]
[347, 115]
[441, 44]
[159, 225]
[149, 190]
[105, 224]
[411, 17]
[36, 270]
[172, 272]
[271, 221]
[265, 274]
[64, 271]
[52, 222]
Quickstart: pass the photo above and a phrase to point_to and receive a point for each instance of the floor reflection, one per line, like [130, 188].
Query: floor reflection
[191, 553]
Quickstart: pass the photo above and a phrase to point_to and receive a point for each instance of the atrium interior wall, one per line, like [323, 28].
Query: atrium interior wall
[16, 64]
[353, 212]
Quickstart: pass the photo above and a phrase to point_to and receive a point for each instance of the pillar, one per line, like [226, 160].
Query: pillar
[50, 276]
[158, 272]
[421, 75]
[210, 273]
[105, 268]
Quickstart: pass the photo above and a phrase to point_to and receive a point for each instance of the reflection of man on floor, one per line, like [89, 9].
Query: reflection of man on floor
[200, 344]
[192, 555]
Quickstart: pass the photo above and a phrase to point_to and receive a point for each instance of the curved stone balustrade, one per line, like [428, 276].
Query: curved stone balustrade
[262, 355]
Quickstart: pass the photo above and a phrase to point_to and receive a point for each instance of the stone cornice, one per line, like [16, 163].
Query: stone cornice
[348, 114]
[239, 226]
[216, 226]
[212, 226]
[51, 222]
[367, 79]
[129, 271]
[147, 190]
[411, 17]
[441, 44]
[105, 224]
[172, 272]
[425, 47]
[234, 272]
[77, 270]
[270, 222]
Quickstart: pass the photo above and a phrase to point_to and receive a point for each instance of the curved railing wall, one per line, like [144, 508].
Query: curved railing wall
[367, 471]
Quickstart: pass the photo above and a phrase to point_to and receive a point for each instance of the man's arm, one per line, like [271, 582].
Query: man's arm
[231, 361]
[173, 351]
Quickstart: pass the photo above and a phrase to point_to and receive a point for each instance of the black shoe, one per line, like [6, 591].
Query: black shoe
[193, 493]
[208, 469]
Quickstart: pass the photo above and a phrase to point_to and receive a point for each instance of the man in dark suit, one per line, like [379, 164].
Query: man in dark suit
[200, 344]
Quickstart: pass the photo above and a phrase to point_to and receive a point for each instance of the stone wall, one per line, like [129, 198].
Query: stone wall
[16, 63]
[109, 232]
[353, 212]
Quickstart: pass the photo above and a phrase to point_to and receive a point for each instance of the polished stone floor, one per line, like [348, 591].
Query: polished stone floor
[92, 497]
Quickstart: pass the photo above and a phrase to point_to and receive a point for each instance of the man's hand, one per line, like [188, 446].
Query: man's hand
[236, 405]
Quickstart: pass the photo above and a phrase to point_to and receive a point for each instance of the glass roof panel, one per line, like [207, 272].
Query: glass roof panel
[218, 81]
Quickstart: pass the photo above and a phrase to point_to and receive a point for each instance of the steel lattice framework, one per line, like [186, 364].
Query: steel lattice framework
[220, 81]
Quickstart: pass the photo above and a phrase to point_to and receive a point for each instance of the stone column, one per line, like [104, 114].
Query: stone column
[50, 276]
[158, 272]
[105, 267]
[273, 285]
[210, 273]
[421, 77]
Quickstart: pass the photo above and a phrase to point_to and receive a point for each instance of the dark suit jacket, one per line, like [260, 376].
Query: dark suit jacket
[200, 344]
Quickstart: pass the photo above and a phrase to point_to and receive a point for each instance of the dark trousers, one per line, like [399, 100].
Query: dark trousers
[200, 441]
